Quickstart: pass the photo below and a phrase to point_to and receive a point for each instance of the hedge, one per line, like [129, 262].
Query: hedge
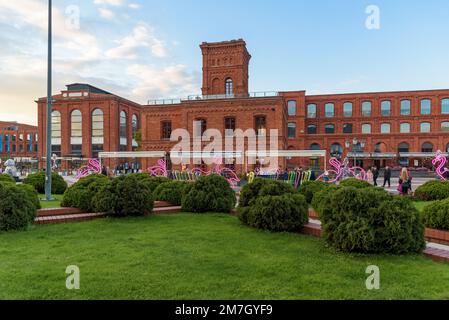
[17, 208]
[356, 183]
[150, 182]
[309, 188]
[321, 198]
[81, 193]
[370, 220]
[37, 180]
[209, 194]
[6, 178]
[288, 212]
[433, 190]
[263, 187]
[124, 196]
[436, 215]
[172, 192]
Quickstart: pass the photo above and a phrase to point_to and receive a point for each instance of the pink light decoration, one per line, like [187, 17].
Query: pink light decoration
[93, 166]
[439, 162]
[159, 170]
[339, 171]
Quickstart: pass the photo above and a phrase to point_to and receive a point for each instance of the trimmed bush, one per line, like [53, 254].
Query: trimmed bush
[370, 220]
[433, 190]
[436, 215]
[37, 180]
[355, 183]
[209, 194]
[17, 210]
[172, 192]
[124, 196]
[81, 193]
[321, 200]
[150, 182]
[309, 188]
[6, 178]
[263, 187]
[31, 194]
[288, 212]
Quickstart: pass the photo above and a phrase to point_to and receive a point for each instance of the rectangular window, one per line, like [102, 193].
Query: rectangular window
[426, 106]
[166, 130]
[366, 109]
[291, 108]
[405, 107]
[311, 111]
[229, 126]
[385, 108]
[292, 130]
[347, 128]
[329, 109]
[347, 109]
[445, 106]
[260, 125]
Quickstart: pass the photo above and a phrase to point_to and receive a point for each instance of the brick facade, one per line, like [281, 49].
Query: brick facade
[225, 95]
[18, 140]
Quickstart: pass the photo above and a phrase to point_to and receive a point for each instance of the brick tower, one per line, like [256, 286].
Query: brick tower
[225, 68]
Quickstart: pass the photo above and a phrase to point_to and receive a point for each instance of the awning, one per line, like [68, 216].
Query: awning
[372, 155]
[419, 154]
[287, 153]
[132, 154]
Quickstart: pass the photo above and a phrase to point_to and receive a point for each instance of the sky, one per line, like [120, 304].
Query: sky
[149, 49]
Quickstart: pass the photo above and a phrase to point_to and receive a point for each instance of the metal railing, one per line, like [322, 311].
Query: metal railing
[262, 94]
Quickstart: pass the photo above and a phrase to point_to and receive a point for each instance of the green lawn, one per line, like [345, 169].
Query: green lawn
[51, 204]
[189, 256]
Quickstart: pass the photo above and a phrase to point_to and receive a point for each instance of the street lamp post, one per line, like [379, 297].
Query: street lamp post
[49, 107]
[355, 144]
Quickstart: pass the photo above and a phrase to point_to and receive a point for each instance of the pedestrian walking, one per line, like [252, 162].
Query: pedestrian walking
[387, 177]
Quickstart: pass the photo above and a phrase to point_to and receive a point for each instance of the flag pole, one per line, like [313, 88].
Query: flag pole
[49, 107]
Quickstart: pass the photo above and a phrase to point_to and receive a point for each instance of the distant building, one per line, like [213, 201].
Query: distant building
[394, 128]
[18, 141]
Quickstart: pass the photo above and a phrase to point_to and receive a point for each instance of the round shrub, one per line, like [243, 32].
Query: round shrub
[209, 194]
[433, 190]
[17, 210]
[37, 180]
[263, 187]
[370, 220]
[309, 188]
[356, 183]
[7, 178]
[150, 182]
[124, 196]
[31, 194]
[436, 215]
[82, 192]
[321, 198]
[288, 212]
[172, 192]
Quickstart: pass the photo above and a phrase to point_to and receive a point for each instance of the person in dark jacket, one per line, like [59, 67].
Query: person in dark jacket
[387, 176]
[375, 175]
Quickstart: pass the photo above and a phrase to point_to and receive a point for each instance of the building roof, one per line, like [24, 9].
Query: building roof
[85, 87]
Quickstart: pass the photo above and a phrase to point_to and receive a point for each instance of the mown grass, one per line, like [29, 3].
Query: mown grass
[51, 204]
[189, 256]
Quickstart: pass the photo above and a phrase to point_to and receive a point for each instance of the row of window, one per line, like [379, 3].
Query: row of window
[367, 106]
[97, 131]
[403, 147]
[404, 127]
[260, 125]
[14, 143]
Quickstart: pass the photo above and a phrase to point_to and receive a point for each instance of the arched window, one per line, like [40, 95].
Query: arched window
[405, 107]
[403, 147]
[445, 126]
[445, 106]
[380, 147]
[56, 133]
[76, 132]
[97, 132]
[366, 128]
[311, 111]
[336, 150]
[135, 128]
[385, 108]
[426, 107]
[347, 109]
[292, 130]
[385, 128]
[229, 87]
[427, 147]
[366, 108]
[315, 146]
[425, 127]
[291, 106]
[312, 129]
[329, 110]
[405, 127]
[329, 128]
[122, 131]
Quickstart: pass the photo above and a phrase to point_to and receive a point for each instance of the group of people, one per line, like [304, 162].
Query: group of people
[404, 183]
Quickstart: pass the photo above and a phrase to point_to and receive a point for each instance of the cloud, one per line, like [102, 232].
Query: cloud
[157, 82]
[106, 13]
[134, 6]
[110, 2]
[142, 36]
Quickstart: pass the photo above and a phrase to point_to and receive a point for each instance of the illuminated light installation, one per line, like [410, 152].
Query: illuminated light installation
[160, 169]
[342, 170]
[439, 162]
[93, 166]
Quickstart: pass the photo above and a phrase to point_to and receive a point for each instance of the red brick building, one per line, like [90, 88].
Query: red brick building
[18, 141]
[370, 128]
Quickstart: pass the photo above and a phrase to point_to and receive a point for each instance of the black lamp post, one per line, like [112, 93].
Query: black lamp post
[356, 146]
